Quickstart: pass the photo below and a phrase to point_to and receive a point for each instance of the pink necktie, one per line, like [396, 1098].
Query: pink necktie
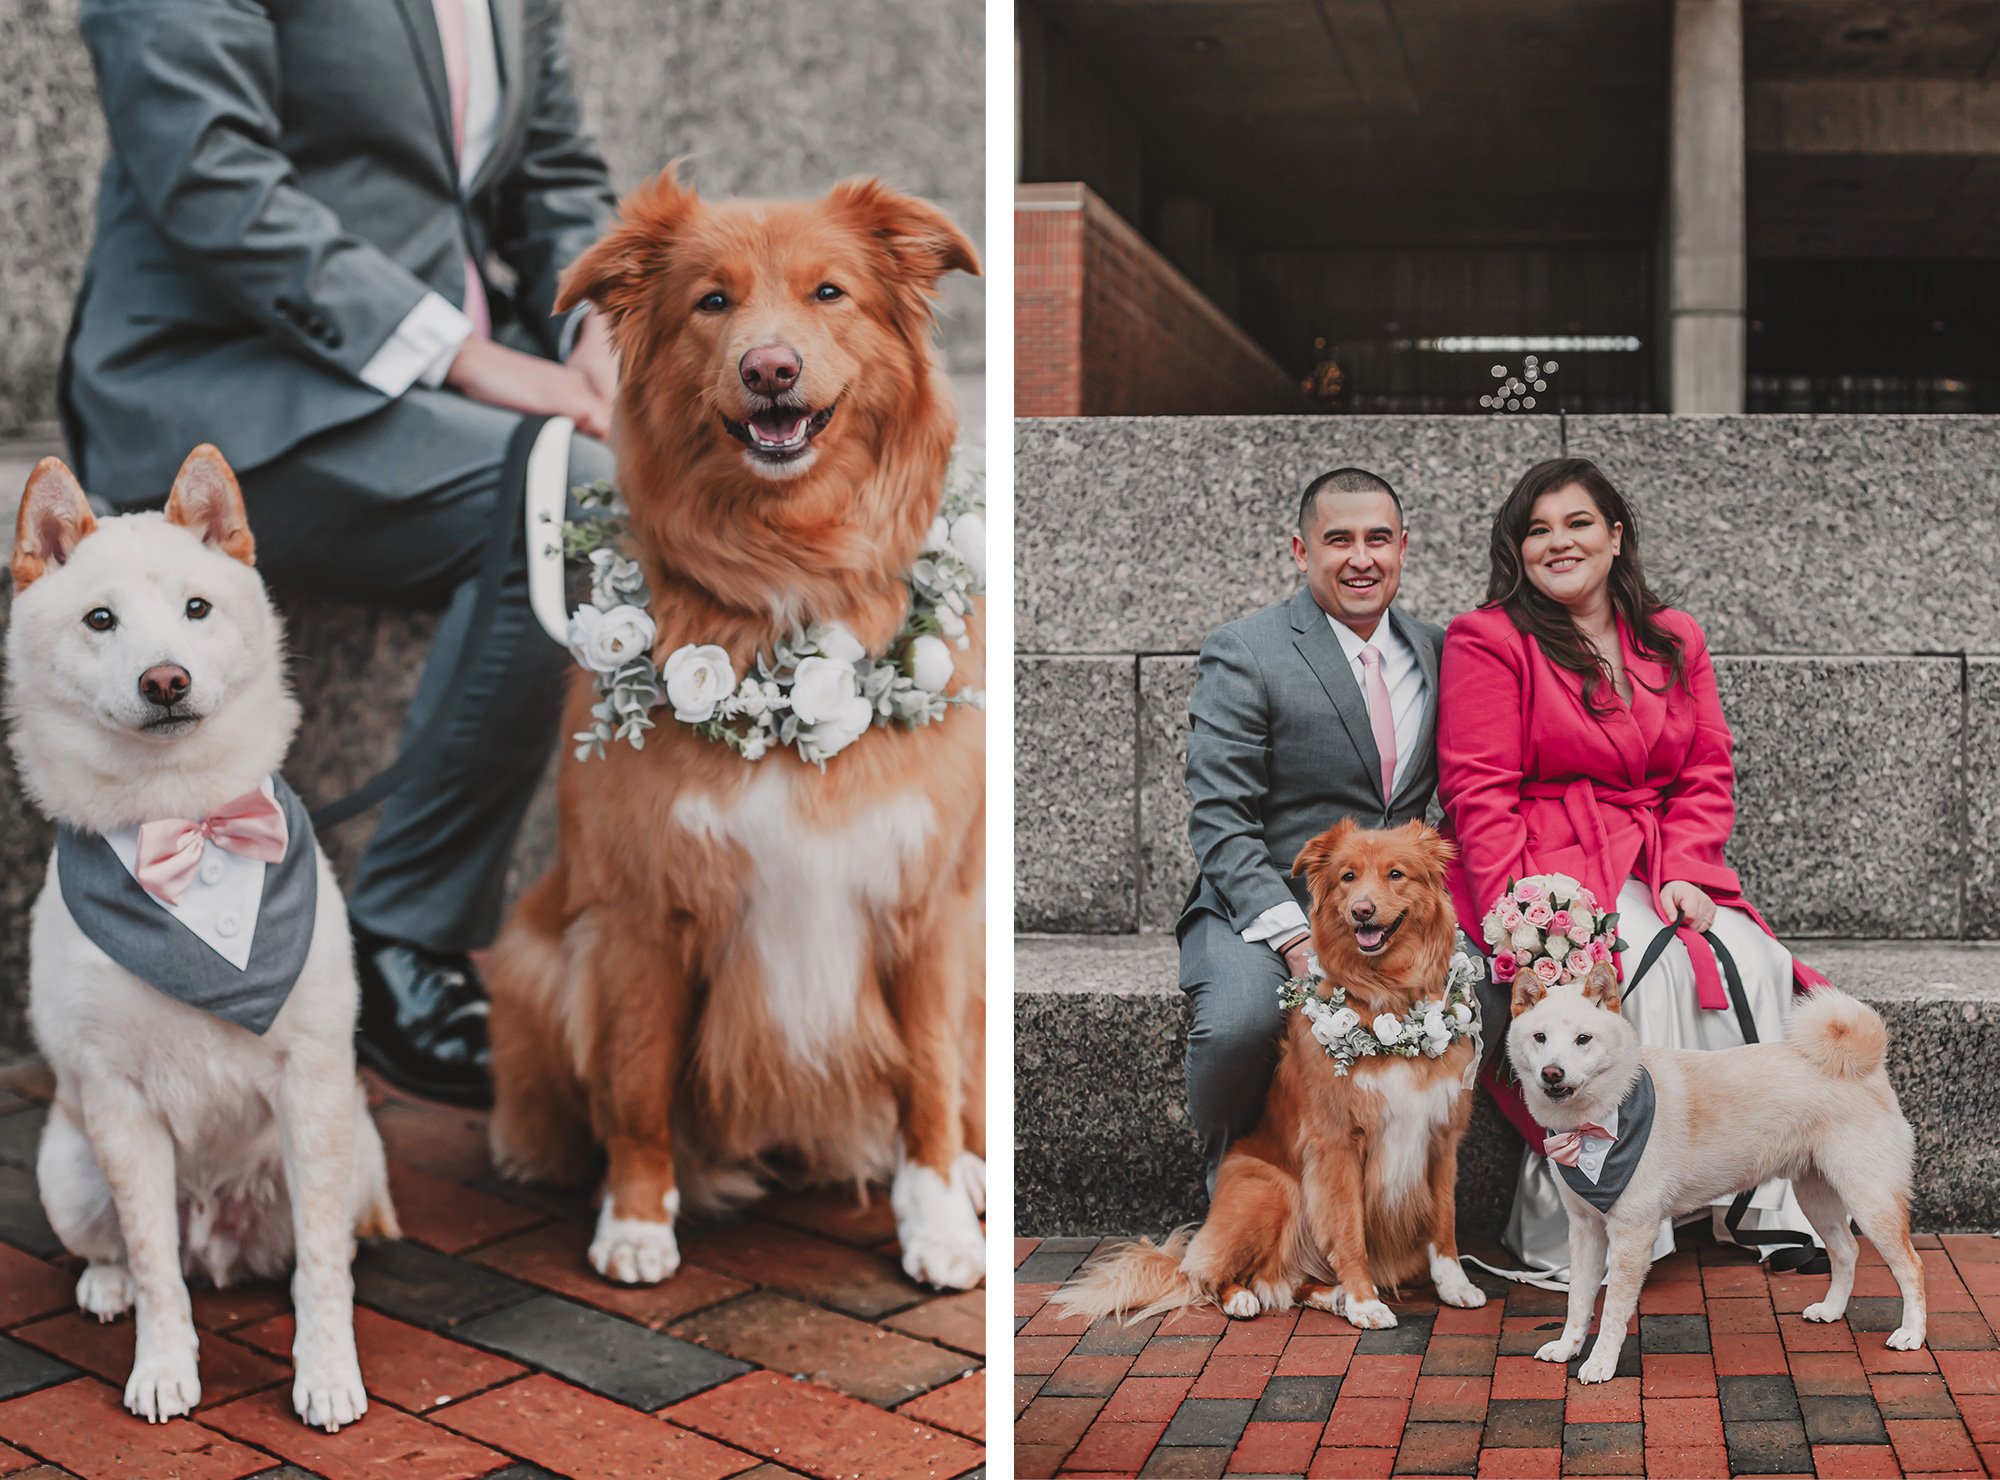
[1567, 1146]
[1379, 719]
[170, 849]
[458, 78]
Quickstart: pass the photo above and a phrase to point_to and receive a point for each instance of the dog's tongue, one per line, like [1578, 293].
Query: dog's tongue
[1368, 937]
[779, 425]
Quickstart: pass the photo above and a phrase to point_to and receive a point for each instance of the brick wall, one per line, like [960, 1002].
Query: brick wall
[1106, 326]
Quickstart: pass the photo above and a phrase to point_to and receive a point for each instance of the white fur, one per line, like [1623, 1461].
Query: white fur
[165, 1117]
[636, 1251]
[943, 1243]
[1773, 1109]
[1453, 1288]
[1402, 1149]
[809, 897]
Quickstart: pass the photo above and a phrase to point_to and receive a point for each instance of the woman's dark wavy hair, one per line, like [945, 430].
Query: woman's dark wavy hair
[1546, 620]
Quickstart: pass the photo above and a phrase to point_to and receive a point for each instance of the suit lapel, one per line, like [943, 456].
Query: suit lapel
[1322, 652]
[420, 20]
[1427, 660]
[508, 40]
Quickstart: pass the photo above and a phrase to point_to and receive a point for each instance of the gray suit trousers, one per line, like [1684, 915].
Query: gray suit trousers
[395, 510]
[1232, 989]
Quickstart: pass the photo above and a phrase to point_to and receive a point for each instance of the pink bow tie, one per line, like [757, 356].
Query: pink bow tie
[170, 849]
[1567, 1146]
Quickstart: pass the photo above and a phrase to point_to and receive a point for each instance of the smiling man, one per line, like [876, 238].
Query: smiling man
[1319, 708]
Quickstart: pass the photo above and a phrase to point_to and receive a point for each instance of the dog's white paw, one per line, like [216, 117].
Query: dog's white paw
[1242, 1306]
[969, 1172]
[1453, 1288]
[1333, 1299]
[106, 1290]
[943, 1244]
[1369, 1315]
[1824, 1310]
[1906, 1338]
[327, 1391]
[1601, 1367]
[1559, 1350]
[164, 1383]
[636, 1251]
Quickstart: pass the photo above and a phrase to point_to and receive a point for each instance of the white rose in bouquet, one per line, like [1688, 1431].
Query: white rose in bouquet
[1526, 941]
[605, 641]
[697, 679]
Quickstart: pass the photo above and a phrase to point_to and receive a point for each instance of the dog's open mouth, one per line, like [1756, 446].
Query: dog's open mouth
[1559, 1092]
[1373, 938]
[168, 723]
[781, 431]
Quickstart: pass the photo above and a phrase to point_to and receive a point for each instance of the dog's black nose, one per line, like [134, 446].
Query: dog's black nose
[165, 684]
[1552, 1074]
[770, 369]
[1363, 910]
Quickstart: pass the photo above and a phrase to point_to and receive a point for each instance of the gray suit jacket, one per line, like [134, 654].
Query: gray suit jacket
[281, 191]
[1280, 749]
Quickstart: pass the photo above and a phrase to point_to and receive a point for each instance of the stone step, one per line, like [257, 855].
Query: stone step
[1102, 1143]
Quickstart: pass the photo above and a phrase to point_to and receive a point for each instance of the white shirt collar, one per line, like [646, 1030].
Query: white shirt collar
[1387, 640]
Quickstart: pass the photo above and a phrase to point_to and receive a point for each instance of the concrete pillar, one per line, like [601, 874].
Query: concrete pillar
[1705, 233]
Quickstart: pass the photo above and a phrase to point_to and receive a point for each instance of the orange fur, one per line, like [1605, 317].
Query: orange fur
[631, 1010]
[1300, 1202]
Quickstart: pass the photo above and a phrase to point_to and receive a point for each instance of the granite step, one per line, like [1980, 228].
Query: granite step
[1103, 1146]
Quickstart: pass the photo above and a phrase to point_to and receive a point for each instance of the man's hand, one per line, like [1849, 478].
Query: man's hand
[1298, 954]
[593, 357]
[1687, 903]
[498, 376]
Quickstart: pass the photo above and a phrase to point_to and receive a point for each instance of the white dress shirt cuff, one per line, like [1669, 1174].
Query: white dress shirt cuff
[572, 325]
[1279, 922]
[421, 350]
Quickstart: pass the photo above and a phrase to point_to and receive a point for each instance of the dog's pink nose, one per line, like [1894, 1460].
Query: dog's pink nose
[164, 684]
[1363, 910]
[770, 369]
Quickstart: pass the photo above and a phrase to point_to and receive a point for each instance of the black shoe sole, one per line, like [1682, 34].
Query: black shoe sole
[476, 1095]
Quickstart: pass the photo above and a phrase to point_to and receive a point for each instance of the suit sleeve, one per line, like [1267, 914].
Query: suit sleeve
[1228, 777]
[1698, 809]
[1480, 762]
[190, 91]
[557, 198]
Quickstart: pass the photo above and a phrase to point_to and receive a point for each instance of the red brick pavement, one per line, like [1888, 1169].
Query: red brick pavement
[790, 1343]
[1721, 1377]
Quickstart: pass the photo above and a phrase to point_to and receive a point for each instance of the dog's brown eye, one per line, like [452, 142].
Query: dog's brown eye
[827, 292]
[1395, 873]
[1541, 1038]
[1581, 1039]
[1348, 877]
[198, 607]
[99, 619]
[713, 303]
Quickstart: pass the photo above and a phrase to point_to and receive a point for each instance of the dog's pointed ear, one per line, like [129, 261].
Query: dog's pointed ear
[1316, 853]
[208, 503]
[1601, 986]
[921, 241]
[613, 274]
[1528, 990]
[53, 518]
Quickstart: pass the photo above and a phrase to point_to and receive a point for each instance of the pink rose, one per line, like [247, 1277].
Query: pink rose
[1505, 967]
[1599, 951]
[1530, 890]
[1560, 922]
[1579, 965]
[1547, 972]
[1580, 933]
[1539, 914]
[1584, 900]
[1511, 917]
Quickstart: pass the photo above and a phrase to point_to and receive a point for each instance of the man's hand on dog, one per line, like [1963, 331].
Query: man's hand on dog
[1299, 957]
[498, 376]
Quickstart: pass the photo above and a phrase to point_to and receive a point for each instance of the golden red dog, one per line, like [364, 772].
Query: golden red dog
[741, 970]
[1345, 1186]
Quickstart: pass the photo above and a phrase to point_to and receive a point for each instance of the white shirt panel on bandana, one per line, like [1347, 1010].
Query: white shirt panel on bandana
[1590, 1159]
[221, 902]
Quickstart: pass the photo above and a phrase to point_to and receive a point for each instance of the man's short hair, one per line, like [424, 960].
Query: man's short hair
[1345, 480]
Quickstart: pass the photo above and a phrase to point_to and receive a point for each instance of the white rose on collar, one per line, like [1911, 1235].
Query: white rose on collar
[697, 680]
[1388, 1029]
[823, 689]
[930, 664]
[1435, 1025]
[1324, 1030]
[968, 537]
[605, 641]
[1345, 1020]
[836, 642]
[829, 736]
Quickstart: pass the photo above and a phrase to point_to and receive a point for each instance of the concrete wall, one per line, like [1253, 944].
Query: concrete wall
[768, 98]
[1845, 570]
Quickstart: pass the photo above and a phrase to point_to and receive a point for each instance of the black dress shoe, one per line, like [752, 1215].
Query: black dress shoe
[1799, 1259]
[423, 1020]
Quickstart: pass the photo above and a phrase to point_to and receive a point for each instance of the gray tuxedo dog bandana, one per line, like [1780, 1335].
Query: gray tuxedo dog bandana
[136, 931]
[1635, 1124]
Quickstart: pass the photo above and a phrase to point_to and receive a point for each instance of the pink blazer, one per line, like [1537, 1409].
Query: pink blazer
[1533, 782]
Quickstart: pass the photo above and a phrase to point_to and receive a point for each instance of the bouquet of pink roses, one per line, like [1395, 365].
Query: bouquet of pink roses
[1550, 925]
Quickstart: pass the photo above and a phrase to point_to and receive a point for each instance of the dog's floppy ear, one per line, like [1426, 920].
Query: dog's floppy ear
[1528, 990]
[613, 273]
[1430, 845]
[1316, 853]
[1601, 986]
[207, 502]
[54, 516]
[921, 241]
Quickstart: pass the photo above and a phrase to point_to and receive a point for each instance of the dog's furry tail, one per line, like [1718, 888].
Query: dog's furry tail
[1839, 1036]
[1134, 1280]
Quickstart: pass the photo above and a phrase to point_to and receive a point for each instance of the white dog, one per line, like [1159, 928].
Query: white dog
[1687, 1128]
[207, 1117]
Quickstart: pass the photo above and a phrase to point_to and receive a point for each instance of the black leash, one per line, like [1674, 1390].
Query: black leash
[503, 539]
